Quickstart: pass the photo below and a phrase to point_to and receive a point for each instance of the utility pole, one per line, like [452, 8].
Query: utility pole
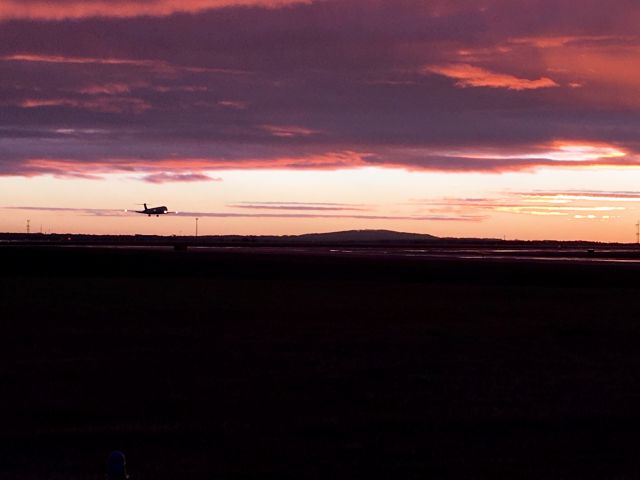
[28, 226]
[197, 227]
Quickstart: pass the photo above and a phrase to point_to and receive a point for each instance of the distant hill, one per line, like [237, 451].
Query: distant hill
[365, 236]
[354, 237]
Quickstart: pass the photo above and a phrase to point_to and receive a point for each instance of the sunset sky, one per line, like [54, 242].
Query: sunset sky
[471, 118]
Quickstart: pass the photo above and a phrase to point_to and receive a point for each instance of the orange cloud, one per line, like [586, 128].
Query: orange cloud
[520, 204]
[598, 69]
[557, 151]
[472, 76]
[539, 210]
[47, 10]
[568, 197]
[608, 64]
[71, 168]
[26, 57]
[561, 40]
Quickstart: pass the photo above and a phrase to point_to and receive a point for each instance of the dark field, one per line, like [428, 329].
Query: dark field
[249, 365]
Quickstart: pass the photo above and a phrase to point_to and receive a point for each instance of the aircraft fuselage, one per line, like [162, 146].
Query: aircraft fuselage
[154, 211]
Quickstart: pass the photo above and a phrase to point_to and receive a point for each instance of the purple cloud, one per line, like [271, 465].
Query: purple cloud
[418, 218]
[299, 206]
[317, 84]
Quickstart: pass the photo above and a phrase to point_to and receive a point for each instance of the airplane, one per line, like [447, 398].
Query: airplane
[157, 211]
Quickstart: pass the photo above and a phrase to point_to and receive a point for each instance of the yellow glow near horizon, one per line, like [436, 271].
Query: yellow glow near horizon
[560, 151]
[581, 153]
[381, 198]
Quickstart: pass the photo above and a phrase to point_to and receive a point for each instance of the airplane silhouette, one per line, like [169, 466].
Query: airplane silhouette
[157, 211]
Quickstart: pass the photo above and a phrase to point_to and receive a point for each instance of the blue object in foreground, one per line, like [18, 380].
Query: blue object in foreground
[116, 466]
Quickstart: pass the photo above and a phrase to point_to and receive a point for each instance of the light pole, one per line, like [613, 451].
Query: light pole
[197, 227]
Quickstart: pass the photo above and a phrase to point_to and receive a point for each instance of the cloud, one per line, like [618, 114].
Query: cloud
[150, 160]
[555, 210]
[223, 214]
[157, 65]
[288, 131]
[107, 89]
[99, 104]
[566, 196]
[235, 104]
[187, 87]
[471, 76]
[298, 206]
[165, 177]
[576, 204]
[164, 168]
[25, 57]
[98, 212]
[418, 218]
[78, 9]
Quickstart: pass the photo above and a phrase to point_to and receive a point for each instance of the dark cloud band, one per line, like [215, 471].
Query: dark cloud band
[324, 84]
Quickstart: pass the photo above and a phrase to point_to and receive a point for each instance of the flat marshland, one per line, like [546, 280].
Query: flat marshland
[243, 365]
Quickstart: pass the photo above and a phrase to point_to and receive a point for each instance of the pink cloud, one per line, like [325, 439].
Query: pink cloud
[471, 76]
[446, 159]
[76, 9]
[233, 104]
[105, 89]
[328, 85]
[26, 57]
[159, 66]
[222, 214]
[599, 69]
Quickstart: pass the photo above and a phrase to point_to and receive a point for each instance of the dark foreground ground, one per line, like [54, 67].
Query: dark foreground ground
[248, 365]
